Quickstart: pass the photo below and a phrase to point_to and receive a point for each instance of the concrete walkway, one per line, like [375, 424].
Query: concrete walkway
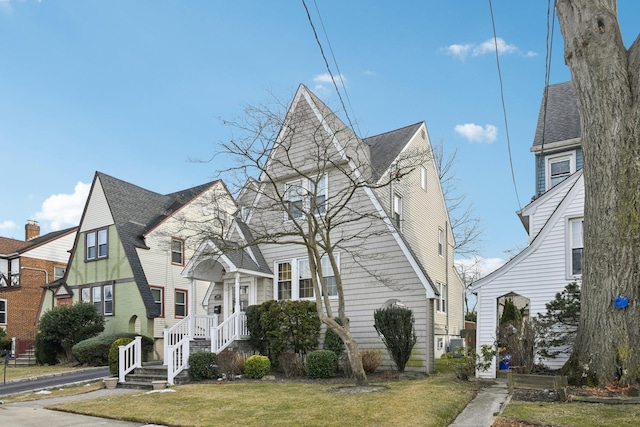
[483, 409]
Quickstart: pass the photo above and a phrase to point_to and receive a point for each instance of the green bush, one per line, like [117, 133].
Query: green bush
[5, 343]
[114, 354]
[321, 364]
[279, 326]
[46, 351]
[203, 366]
[395, 327]
[63, 327]
[257, 366]
[333, 342]
[95, 351]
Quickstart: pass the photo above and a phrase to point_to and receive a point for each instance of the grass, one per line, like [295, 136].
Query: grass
[573, 414]
[15, 372]
[433, 401]
[53, 392]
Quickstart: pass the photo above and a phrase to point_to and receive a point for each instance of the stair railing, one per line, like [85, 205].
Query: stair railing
[231, 329]
[130, 357]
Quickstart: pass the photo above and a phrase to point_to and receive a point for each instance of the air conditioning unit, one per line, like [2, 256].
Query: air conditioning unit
[455, 344]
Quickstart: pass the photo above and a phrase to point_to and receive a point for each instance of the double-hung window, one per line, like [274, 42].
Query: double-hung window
[444, 296]
[3, 311]
[101, 296]
[440, 242]
[423, 178]
[576, 245]
[294, 278]
[97, 244]
[181, 303]
[397, 210]
[559, 168]
[306, 195]
[58, 272]
[177, 251]
[158, 299]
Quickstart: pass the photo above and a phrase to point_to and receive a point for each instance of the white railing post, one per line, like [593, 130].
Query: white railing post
[129, 358]
[166, 345]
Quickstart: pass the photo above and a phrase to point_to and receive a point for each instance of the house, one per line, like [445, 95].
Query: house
[553, 221]
[131, 246]
[398, 249]
[25, 268]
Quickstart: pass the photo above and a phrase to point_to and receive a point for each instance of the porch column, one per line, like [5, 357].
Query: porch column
[236, 308]
[191, 313]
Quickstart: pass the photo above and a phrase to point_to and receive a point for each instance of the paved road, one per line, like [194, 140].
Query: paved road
[53, 380]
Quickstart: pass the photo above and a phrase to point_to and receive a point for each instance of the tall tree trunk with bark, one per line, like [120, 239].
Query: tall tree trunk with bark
[606, 81]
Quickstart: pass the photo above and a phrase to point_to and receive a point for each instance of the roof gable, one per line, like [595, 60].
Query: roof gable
[559, 120]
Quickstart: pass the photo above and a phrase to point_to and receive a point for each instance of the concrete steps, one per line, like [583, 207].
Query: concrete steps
[143, 378]
[27, 358]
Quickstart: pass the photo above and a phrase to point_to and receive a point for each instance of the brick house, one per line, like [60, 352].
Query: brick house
[26, 267]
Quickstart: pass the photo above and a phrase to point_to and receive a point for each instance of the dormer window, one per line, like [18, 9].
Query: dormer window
[306, 195]
[559, 168]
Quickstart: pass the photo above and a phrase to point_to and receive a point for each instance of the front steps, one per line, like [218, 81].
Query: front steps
[27, 358]
[142, 378]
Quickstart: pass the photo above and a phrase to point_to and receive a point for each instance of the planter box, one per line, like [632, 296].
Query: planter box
[536, 382]
[159, 385]
[110, 382]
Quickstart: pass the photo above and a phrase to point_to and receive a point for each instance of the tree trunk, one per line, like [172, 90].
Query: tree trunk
[355, 361]
[605, 78]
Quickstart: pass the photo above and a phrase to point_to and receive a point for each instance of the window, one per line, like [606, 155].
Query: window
[397, 210]
[306, 195]
[3, 311]
[576, 246]
[244, 213]
[108, 300]
[294, 278]
[559, 168]
[181, 303]
[158, 299]
[100, 296]
[442, 301]
[97, 244]
[284, 280]
[440, 242]
[423, 178]
[58, 272]
[177, 251]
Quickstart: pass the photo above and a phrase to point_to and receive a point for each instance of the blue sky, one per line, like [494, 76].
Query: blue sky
[135, 89]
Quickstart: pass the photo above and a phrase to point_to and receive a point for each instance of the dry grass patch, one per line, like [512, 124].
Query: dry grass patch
[53, 392]
[433, 401]
[16, 372]
[573, 414]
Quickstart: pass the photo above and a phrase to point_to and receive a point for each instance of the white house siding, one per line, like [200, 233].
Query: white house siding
[97, 213]
[56, 250]
[156, 261]
[537, 273]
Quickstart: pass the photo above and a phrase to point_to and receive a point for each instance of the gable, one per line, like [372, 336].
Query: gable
[97, 213]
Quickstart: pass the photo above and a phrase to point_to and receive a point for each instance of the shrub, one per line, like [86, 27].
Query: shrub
[95, 351]
[292, 364]
[5, 343]
[395, 327]
[228, 363]
[257, 366]
[202, 366]
[333, 342]
[114, 354]
[279, 326]
[371, 359]
[46, 351]
[63, 327]
[321, 364]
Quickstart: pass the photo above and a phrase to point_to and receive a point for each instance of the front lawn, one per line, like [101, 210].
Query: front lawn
[14, 372]
[572, 414]
[434, 401]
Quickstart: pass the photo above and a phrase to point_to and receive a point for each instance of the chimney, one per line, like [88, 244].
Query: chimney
[31, 230]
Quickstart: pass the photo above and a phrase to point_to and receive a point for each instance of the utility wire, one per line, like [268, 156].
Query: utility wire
[504, 108]
[327, 65]
[551, 17]
[344, 87]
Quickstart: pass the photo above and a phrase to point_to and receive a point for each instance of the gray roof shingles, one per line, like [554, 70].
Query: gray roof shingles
[386, 147]
[561, 119]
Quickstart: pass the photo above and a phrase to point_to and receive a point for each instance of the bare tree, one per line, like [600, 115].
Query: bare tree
[466, 226]
[469, 273]
[605, 77]
[295, 157]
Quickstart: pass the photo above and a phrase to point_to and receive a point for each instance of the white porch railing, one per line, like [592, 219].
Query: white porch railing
[129, 358]
[231, 329]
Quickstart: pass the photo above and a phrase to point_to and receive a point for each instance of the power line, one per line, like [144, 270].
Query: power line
[504, 108]
[547, 72]
[335, 85]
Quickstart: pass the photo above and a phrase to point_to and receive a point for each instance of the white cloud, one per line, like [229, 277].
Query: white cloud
[7, 225]
[322, 82]
[461, 51]
[64, 210]
[477, 133]
[483, 266]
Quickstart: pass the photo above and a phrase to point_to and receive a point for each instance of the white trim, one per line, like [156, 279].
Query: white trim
[295, 284]
[548, 160]
[570, 247]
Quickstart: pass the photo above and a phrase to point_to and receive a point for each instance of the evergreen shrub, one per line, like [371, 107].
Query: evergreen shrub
[257, 366]
[395, 327]
[114, 354]
[321, 364]
[203, 366]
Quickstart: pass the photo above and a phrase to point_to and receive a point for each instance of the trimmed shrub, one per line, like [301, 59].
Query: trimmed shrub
[395, 327]
[47, 351]
[67, 325]
[203, 366]
[333, 342]
[292, 364]
[321, 364]
[114, 354]
[95, 351]
[371, 359]
[5, 343]
[257, 366]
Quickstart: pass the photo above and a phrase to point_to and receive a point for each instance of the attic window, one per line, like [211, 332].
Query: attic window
[97, 244]
[559, 168]
[177, 251]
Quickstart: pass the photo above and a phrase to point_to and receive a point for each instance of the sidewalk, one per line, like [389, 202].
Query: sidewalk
[482, 410]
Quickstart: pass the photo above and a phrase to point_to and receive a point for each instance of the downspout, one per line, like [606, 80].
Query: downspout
[446, 277]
